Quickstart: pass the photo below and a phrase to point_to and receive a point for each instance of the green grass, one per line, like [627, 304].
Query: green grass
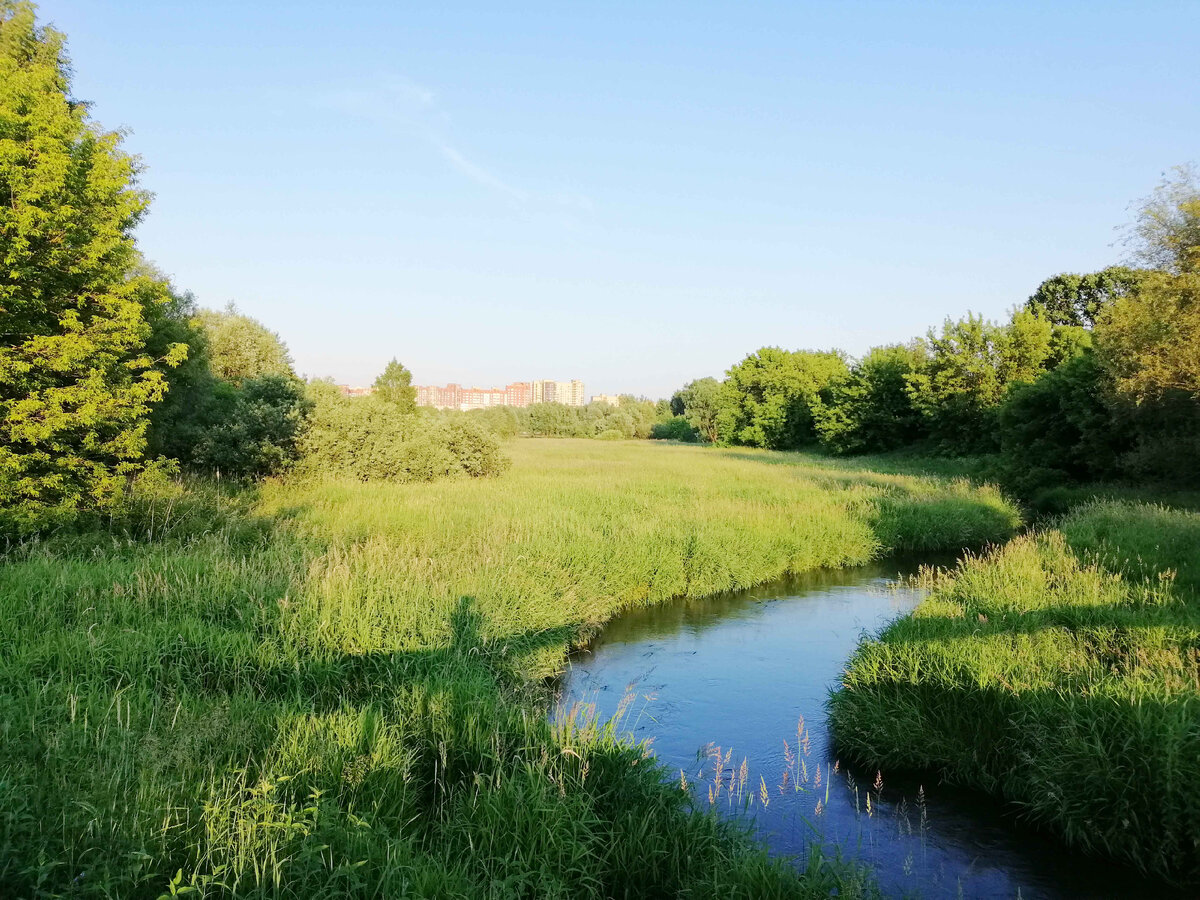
[1060, 672]
[335, 689]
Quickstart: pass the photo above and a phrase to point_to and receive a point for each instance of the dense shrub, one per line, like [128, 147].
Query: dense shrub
[252, 429]
[1061, 425]
[677, 428]
[475, 451]
[368, 439]
[769, 397]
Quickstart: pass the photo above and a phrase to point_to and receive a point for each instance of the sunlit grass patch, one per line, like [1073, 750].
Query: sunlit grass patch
[1060, 671]
[335, 689]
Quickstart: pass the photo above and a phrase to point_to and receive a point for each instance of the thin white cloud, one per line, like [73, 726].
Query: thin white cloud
[403, 103]
[478, 174]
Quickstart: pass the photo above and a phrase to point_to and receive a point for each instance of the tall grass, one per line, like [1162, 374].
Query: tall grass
[335, 690]
[1061, 672]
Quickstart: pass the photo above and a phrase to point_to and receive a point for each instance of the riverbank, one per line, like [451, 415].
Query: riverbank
[1060, 672]
[332, 689]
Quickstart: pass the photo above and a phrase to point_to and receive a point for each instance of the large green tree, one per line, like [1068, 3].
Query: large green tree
[870, 410]
[76, 379]
[394, 387]
[768, 398]
[1165, 233]
[971, 365]
[1070, 299]
[699, 402]
[240, 347]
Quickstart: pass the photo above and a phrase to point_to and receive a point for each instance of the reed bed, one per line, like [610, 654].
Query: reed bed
[337, 689]
[1060, 672]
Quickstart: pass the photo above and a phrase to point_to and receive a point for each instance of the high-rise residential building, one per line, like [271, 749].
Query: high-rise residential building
[571, 393]
[448, 397]
[610, 399]
[519, 393]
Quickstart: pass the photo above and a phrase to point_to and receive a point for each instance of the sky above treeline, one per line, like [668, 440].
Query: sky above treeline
[636, 194]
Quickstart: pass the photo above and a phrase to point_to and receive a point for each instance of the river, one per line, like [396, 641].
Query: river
[749, 673]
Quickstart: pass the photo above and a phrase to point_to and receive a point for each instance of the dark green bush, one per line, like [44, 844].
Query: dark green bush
[252, 428]
[1061, 426]
[676, 428]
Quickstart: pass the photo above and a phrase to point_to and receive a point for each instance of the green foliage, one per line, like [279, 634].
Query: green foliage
[1078, 300]
[700, 402]
[1151, 343]
[769, 397]
[1061, 427]
[634, 418]
[503, 421]
[76, 381]
[254, 429]
[474, 449]
[870, 410]
[180, 420]
[1058, 672]
[368, 439]
[394, 386]
[240, 347]
[970, 367]
[1166, 233]
[677, 428]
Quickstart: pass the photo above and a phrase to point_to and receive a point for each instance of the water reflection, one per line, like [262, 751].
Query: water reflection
[746, 675]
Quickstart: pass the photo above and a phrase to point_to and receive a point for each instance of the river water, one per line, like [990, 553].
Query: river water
[710, 683]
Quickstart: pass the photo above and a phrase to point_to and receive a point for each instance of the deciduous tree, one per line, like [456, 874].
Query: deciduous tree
[394, 387]
[76, 379]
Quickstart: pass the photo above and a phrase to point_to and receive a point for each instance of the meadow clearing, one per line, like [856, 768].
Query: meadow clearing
[331, 688]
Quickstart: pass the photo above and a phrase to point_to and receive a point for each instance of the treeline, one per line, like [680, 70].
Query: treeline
[635, 417]
[109, 376]
[1094, 377]
[235, 406]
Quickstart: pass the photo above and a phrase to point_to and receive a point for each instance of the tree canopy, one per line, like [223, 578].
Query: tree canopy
[76, 378]
[394, 387]
[240, 347]
[769, 396]
[1069, 299]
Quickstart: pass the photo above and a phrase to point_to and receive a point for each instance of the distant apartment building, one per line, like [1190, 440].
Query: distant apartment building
[571, 393]
[610, 399]
[519, 393]
[448, 397]
[349, 391]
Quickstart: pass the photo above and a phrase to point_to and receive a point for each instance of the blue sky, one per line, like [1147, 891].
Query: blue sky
[632, 194]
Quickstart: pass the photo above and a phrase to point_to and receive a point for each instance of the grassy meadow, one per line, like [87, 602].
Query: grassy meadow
[331, 689]
[1061, 672]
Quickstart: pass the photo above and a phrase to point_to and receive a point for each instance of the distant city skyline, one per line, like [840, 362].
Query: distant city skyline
[639, 196]
[519, 394]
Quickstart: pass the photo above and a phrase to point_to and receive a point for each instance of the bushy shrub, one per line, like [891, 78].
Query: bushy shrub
[253, 428]
[1061, 426]
[769, 397]
[360, 437]
[676, 428]
[473, 449]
